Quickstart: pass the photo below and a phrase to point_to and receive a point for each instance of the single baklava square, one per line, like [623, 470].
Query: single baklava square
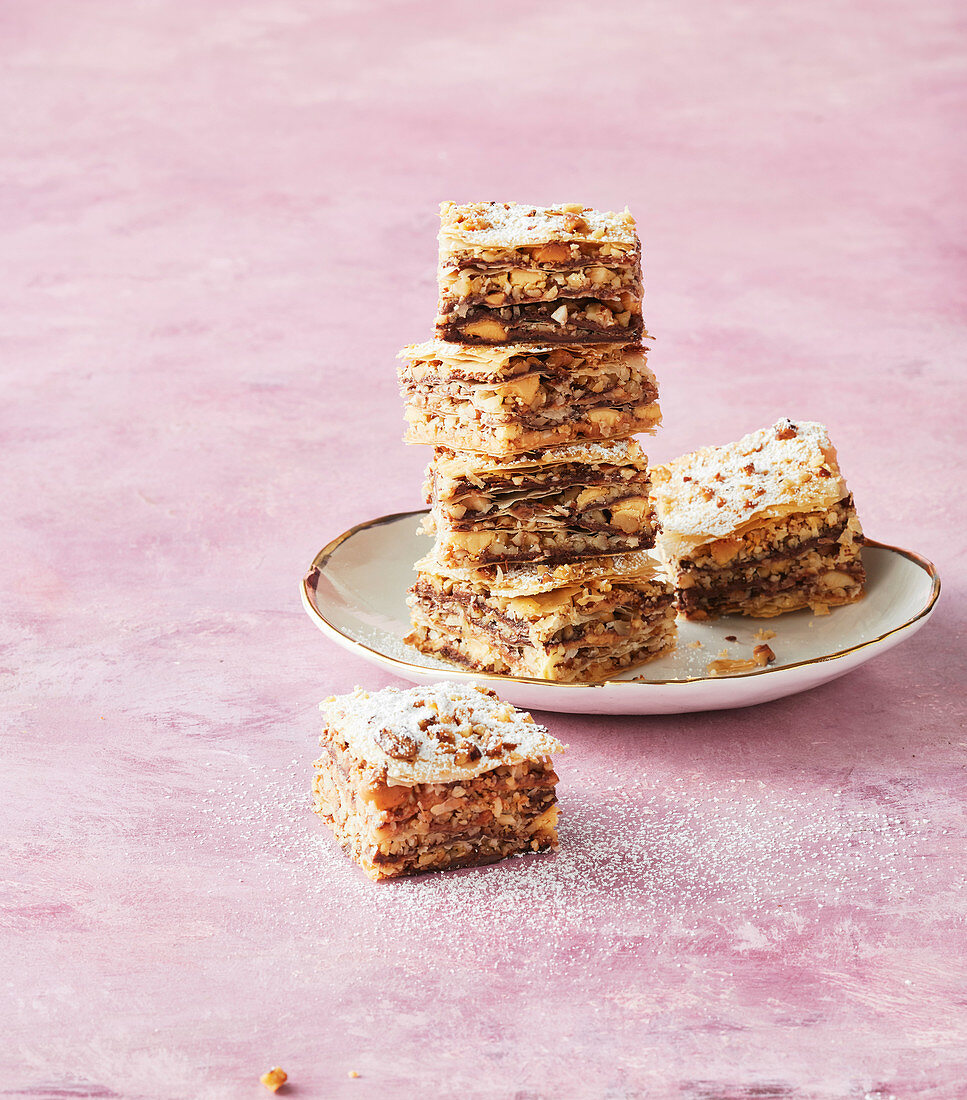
[761, 526]
[577, 501]
[432, 778]
[509, 400]
[512, 274]
[587, 620]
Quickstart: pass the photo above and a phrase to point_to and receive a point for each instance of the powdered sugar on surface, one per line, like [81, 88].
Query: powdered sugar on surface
[680, 849]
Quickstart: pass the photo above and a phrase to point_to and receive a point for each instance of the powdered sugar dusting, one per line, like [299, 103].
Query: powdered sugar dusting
[715, 491]
[737, 852]
[509, 224]
[437, 733]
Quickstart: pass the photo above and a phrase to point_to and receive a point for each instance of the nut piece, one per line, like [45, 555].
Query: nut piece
[467, 754]
[724, 550]
[763, 655]
[486, 329]
[397, 745]
[274, 1079]
[553, 253]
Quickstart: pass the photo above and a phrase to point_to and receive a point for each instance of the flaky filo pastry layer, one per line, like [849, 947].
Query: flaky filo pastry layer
[556, 505]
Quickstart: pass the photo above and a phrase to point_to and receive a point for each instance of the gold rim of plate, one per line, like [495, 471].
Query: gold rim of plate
[326, 552]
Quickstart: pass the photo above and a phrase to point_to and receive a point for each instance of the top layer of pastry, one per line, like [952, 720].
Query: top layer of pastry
[721, 491]
[468, 227]
[438, 733]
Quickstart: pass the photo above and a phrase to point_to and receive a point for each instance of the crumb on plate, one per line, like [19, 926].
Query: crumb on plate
[762, 655]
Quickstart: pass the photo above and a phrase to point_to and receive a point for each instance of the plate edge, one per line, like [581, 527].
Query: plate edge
[326, 552]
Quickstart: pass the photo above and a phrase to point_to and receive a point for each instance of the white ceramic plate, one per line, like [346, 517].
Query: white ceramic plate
[355, 592]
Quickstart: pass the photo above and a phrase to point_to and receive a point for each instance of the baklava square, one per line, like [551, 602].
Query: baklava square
[761, 526]
[558, 505]
[510, 273]
[584, 621]
[511, 400]
[432, 778]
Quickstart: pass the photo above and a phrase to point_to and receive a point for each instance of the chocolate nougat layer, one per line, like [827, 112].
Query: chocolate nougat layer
[579, 622]
[514, 399]
[575, 321]
[576, 501]
[433, 778]
[563, 274]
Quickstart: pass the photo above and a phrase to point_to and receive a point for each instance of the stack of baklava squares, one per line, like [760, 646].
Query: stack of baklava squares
[539, 497]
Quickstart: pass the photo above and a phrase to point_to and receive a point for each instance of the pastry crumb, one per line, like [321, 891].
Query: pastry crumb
[274, 1079]
[762, 655]
[695, 645]
[763, 635]
[352, 1073]
[723, 666]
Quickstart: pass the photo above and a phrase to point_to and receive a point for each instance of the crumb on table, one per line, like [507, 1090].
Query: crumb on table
[274, 1079]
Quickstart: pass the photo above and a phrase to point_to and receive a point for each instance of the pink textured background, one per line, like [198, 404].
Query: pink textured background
[218, 226]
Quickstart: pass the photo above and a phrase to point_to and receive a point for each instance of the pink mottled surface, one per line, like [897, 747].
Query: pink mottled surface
[218, 226]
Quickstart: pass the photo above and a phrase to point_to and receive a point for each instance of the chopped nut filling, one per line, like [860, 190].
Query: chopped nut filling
[578, 321]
